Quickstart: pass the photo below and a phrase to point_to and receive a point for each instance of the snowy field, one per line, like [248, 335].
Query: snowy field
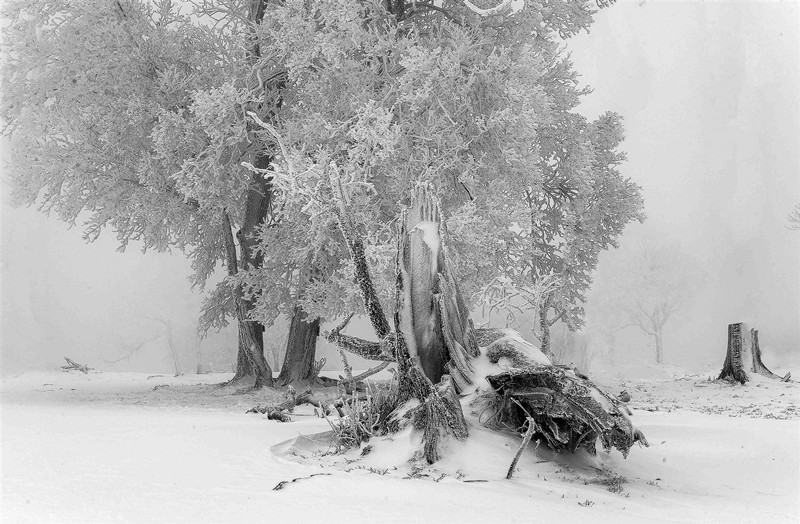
[125, 447]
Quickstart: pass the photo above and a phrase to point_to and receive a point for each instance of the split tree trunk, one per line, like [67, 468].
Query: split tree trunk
[299, 364]
[435, 347]
[744, 355]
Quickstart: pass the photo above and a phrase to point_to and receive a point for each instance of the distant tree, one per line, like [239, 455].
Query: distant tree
[794, 219]
[605, 318]
[135, 115]
[583, 208]
[651, 286]
[580, 210]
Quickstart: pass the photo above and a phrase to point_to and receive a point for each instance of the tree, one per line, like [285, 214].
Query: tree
[744, 355]
[652, 285]
[579, 210]
[606, 317]
[794, 219]
[389, 95]
[134, 115]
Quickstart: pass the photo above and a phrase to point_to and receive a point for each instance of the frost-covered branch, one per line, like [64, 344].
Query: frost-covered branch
[489, 11]
[503, 294]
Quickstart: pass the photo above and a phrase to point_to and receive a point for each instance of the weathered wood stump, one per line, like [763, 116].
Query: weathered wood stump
[438, 352]
[744, 355]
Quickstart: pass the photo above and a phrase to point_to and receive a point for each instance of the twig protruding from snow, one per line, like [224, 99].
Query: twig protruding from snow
[283, 483]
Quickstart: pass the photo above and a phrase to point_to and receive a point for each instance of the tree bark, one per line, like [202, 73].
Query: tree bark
[758, 365]
[430, 316]
[251, 333]
[298, 365]
[744, 356]
[544, 328]
[659, 347]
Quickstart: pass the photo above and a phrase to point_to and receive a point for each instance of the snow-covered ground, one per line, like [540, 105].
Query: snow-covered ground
[122, 447]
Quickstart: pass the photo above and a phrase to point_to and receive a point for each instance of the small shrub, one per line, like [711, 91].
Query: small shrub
[363, 416]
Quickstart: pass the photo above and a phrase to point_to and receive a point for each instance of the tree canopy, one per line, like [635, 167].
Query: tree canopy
[167, 126]
[483, 108]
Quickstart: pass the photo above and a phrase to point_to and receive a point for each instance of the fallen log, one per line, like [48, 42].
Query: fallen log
[74, 366]
[744, 355]
[443, 362]
[280, 412]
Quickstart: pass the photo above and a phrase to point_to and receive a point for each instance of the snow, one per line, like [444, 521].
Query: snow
[111, 447]
[430, 235]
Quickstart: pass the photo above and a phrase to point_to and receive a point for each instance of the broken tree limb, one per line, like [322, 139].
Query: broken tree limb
[72, 365]
[364, 348]
[368, 373]
[526, 438]
[372, 303]
[280, 412]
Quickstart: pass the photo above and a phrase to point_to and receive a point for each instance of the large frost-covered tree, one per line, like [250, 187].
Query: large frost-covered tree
[134, 116]
[236, 118]
[384, 96]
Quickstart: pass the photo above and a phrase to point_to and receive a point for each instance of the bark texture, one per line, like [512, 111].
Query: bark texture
[251, 333]
[758, 365]
[299, 364]
[744, 355]
[436, 346]
[250, 357]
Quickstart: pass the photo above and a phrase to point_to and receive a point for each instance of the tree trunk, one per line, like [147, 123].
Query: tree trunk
[243, 366]
[758, 365]
[298, 365]
[744, 355]
[544, 328]
[428, 306]
[250, 356]
[659, 347]
[430, 316]
[251, 333]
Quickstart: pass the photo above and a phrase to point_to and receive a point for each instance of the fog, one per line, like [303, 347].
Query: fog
[710, 97]
[710, 94]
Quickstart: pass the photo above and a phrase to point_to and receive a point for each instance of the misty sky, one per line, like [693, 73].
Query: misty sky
[710, 94]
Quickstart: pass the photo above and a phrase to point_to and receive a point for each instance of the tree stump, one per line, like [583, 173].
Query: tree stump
[744, 355]
[438, 352]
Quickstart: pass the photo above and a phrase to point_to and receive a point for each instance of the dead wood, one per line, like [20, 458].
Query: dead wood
[526, 438]
[758, 365]
[436, 347]
[282, 484]
[744, 355]
[74, 366]
[280, 412]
